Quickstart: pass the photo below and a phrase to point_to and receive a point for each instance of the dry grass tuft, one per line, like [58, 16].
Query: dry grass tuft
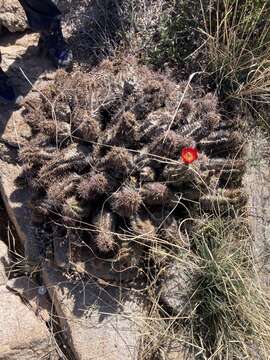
[211, 303]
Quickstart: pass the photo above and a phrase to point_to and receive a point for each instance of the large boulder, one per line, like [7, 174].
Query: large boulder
[99, 321]
[257, 183]
[22, 335]
[35, 296]
[12, 16]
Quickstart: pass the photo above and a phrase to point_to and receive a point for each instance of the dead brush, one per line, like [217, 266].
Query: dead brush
[226, 40]
[104, 237]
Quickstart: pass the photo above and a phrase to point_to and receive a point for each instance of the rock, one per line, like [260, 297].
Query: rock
[12, 16]
[33, 294]
[4, 260]
[100, 321]
[257, 185]
[22, 335]
[176, 287]
[16, 200]
[26, 67]
[14, 131]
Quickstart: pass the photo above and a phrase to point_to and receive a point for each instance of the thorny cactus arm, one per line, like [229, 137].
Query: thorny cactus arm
[168, 144]
[155, 194]
[118, 161]
[178, 174]
[156, 123]
[73, 211]
[35, 156]
[125, 131]
[201, 128]
[61, 167]
[222, 143]
[126, 202]
[147, 174]
[92, 186]
[226, 164]
[224, 200]
[229, 171]
[63, 188]
[103, 231]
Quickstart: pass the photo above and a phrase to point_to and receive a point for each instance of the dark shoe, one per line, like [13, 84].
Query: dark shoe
[56, 48]
[7, 93]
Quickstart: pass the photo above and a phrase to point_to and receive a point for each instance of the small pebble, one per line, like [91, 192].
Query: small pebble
[42, 290]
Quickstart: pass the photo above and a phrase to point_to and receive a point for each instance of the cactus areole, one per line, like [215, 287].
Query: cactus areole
[189, 155]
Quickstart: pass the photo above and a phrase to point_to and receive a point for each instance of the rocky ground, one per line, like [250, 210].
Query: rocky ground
[58, 316]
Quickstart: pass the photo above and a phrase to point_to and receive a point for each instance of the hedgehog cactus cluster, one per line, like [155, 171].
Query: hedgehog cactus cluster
[105, 156]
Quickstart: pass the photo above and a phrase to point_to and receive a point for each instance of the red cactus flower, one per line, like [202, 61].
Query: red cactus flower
[189, 155]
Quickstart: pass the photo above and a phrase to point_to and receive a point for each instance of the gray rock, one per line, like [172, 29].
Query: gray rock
[16, 200]
[176, 287]
[12, 16]
[36, 296]
[22, 335]
[100, 321]
[257, 185]
[16, 131]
